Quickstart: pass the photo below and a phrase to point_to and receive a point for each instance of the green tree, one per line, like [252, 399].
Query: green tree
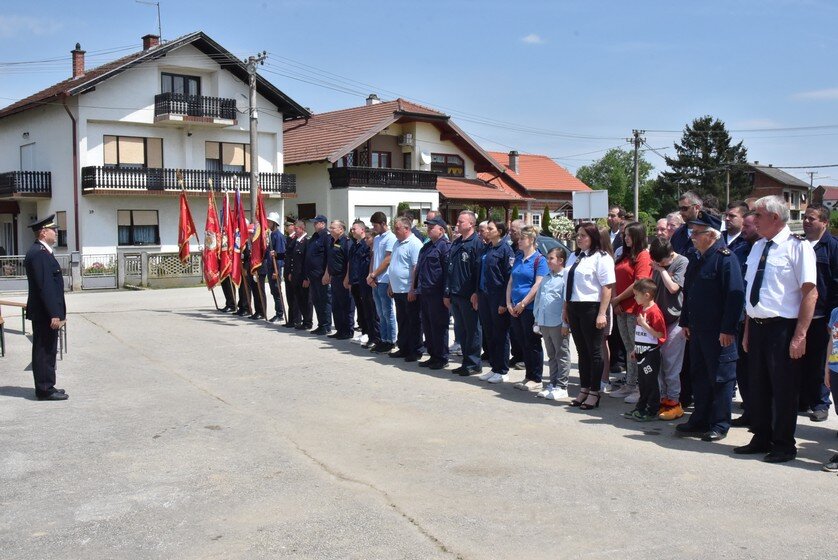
[515, 214]
[702, 158]
[614, 172]
[496, 214]
[545, 220]
[481, 215]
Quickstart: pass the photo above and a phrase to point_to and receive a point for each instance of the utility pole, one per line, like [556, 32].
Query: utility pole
[637, 139]
[252, 62]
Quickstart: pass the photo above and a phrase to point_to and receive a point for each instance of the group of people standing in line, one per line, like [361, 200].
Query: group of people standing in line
[692, 311]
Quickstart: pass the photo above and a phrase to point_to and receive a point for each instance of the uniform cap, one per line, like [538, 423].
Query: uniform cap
[436, 221]
[48, 222]
[702, 220]
[319, 218]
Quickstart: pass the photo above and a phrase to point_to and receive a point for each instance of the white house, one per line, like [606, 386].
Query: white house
[354, 162]
[101, 149]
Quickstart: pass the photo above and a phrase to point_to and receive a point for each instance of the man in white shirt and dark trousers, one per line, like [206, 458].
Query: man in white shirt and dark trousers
[779, 302]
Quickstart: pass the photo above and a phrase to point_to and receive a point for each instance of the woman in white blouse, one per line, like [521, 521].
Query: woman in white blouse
[590, 278]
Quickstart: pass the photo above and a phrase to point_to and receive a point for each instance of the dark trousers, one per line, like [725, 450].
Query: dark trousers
[273, 284]
[742, 370]
[367, 316]
[341, 307]
[517, 351]
[774, 383]
[302, 299]
[435, 326]
[293, 317]
[617, 350]
[260, 300]
[530, 343]
[229, 296]
[713, 372]
[495, 330]
[467, 329]
[686, 397]
[588, 339]
[648, 368]
[321, 299]
[245, 293]
[44, 348]
[814, 393]
[409, 335]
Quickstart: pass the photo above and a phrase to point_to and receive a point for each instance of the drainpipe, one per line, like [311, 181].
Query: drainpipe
[75, 172]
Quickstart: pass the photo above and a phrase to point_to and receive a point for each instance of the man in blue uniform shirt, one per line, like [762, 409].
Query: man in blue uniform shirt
[45, 307]
[338, 266]
[317, 253]
[713, 300]
[461, 280]
[429, 285]
[356, 281]
[300, 315]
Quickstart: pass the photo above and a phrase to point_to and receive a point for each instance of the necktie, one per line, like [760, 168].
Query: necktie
[571, 273]
[754, 299]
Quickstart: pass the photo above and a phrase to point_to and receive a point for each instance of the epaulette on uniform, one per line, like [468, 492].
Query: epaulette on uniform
[799, 236]
[725, 251]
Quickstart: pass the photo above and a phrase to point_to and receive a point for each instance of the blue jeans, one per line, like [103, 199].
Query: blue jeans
[386, 309]
[467, 331]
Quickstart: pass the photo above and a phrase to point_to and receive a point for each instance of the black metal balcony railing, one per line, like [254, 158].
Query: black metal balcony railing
[194, 106]
[342, 177]
[95, 178]
[26, 183]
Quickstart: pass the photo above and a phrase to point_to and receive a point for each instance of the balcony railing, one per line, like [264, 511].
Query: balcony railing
[194, 106]
[342, 177]
[97, 178]
[26, 184]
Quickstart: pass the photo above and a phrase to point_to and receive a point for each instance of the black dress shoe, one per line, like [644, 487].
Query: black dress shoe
[689, 430]
[439, 364]
[333, 335]
[741, 422]
[54, 396]
[427, 363]
[275, 319]
[397, 354]
[343, 336]
[819, 415]
[412, 357]
[288, 325]
[713, 435]
[751, 449]
[779, 457]
[256, 316]
[381, 348]
[242, 312]
[319, 331]
[300, 328]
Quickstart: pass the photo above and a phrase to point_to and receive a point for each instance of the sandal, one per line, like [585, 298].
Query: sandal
[582, 397]
[586, 406]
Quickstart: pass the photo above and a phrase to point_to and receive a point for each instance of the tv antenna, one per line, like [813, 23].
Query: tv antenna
[157, 4]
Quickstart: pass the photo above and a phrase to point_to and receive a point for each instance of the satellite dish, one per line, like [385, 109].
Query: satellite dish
[426, 158]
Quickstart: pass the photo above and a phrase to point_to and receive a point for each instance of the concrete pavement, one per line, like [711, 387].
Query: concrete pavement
[193, 434]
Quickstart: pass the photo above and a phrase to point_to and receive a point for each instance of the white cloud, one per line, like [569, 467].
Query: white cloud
[533, 39]
[11, 26]
[818, 94]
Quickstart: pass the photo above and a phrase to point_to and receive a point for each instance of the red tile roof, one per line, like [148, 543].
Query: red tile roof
[474, 190]
[329, 136]
[538, 173]
[830, 192]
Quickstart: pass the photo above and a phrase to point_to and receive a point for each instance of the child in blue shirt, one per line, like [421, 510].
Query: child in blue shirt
[549, 303]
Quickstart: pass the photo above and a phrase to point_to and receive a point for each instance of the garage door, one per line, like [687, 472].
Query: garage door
[365, 212]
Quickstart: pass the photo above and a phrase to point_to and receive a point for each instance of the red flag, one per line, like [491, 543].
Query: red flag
[212, 238]
[186, 229]
[259, 239]
[227, 235]
[239, 240]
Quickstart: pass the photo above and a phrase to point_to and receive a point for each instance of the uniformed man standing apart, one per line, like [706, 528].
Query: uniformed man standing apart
[814, 394]
[713, 295]
[45, 308]
[779, 302]
[402, 266]
[429, 285]
[275, 254]
[317, 253]
[338, 265]
[461, 290]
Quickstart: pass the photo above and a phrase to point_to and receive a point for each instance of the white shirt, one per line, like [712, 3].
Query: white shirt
[790, 264]
[730, 240]
[594, 272]
[47, 246]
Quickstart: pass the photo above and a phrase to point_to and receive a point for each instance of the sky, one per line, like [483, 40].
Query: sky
[565, 79]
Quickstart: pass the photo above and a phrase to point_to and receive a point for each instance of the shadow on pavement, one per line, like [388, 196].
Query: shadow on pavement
[20, 392]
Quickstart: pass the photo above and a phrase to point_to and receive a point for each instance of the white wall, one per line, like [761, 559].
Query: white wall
[427, 140]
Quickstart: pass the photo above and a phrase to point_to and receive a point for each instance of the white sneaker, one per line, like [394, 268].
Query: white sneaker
[632, 397]
[486, 376]
[545, 392]
[497, 378]
[605, 387]
[455, 350]
[528, 385]
[360, 338]
[622, 392]
[557, 393]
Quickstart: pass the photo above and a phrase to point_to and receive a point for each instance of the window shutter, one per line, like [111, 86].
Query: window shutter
[154, 147]
[212, 150]
[110, 150]
[131, 150]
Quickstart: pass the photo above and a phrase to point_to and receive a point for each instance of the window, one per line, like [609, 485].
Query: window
[536, 219]
[407, 161]
[306, 211]
[138, 227]
[61, 220]
[448, 164]
[177, 83]
[133, 152]
[225, 156]
[381, 160]
[420, 209]
[348, 160]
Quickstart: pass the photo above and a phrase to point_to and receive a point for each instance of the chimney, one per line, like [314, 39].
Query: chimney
[756, 163]
[513, 161]
[78, 61]
[373, 99]
[150, 41]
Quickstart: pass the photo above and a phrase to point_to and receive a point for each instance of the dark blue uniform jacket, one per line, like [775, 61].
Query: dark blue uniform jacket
[463, 269]
[431, 266]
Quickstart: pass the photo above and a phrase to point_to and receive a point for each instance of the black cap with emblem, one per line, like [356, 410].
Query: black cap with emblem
[48, 222]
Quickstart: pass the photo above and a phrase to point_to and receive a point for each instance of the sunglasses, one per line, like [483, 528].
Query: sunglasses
[684, 208]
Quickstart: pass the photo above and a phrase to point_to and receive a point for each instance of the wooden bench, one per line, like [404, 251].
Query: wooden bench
[62, 331]
[22, 311]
